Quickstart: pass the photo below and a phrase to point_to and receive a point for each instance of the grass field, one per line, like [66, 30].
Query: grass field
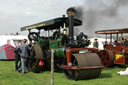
[8, 76]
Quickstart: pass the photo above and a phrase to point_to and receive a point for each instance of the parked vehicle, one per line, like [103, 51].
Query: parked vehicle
[70, 54]
[115, 52]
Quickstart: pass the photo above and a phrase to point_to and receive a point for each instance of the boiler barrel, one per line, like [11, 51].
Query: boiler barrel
[60, 52]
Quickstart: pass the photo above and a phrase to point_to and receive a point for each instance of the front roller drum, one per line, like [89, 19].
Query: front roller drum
[89, 63]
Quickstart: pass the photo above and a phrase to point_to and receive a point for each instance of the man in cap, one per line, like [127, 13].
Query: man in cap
[95, 44]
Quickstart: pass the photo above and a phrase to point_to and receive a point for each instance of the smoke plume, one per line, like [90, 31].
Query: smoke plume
[100, 14]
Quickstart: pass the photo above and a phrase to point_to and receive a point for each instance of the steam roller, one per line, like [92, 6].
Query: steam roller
[83, 66]
[70, 52]
[107, 57]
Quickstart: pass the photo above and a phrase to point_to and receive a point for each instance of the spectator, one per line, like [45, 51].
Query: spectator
[105, 43]
[95, 43]
[24, 55]
[17, 52]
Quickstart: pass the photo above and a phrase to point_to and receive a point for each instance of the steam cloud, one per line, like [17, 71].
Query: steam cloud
[100, 12]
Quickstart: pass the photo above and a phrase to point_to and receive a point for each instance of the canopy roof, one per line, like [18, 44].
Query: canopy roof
[113, 31]
[52, 24]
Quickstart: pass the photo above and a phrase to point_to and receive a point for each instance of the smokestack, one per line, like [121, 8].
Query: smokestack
[71, 13]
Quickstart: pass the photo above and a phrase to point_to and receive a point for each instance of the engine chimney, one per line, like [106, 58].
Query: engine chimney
[71, 13]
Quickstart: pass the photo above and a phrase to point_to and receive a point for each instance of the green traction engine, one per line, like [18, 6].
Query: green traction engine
[70, 52]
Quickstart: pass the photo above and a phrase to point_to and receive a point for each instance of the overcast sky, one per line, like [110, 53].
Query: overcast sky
[96, 14]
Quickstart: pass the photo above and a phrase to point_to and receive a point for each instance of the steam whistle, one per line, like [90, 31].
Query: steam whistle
[65, 30]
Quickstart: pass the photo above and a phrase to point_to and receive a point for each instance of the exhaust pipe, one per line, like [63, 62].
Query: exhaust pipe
[71, 13]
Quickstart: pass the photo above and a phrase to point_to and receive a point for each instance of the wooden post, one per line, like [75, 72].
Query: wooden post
[52, 67]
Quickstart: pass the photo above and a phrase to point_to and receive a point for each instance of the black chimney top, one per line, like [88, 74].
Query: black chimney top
[71, 9]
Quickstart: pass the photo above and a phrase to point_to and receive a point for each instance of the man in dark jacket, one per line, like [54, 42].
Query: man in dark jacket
[24, 55]
[17, 52]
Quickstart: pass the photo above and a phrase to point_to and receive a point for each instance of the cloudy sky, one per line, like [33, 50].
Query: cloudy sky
[96, 14]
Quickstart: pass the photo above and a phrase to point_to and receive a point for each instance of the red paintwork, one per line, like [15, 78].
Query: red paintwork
[9, 50]
[125, 50]
[120, 60]
[78, 68]
[69, 52]
[126, 59]
[119, 49]
[116, 49]
[108, 47]
[105, 58]
[41, 63]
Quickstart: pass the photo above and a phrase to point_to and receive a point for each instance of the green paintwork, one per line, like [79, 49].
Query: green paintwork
[53, 44]
[42, 42]
[52, 24]
[59, 42]
[59, 52]
[58, 48]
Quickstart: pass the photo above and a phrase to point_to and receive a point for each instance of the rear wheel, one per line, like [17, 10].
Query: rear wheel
[35, 67]
[107, 57]
[33, 64]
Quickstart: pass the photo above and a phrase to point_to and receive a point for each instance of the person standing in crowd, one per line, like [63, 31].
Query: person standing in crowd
[24, 55]
[95, 44]
[17, 52]
[105, 44]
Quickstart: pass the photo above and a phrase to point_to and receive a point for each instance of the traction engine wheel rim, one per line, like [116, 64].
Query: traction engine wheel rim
[71, 74]
[107, 57]
[34, 61]
[33, 65]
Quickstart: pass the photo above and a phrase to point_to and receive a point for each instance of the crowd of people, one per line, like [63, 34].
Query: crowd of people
[116, 44]
[21, 55]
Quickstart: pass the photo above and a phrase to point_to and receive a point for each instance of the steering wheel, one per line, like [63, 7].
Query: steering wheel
[33, 36]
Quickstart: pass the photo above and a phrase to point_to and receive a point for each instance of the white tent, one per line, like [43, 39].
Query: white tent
[100, 41]
[11, 39]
